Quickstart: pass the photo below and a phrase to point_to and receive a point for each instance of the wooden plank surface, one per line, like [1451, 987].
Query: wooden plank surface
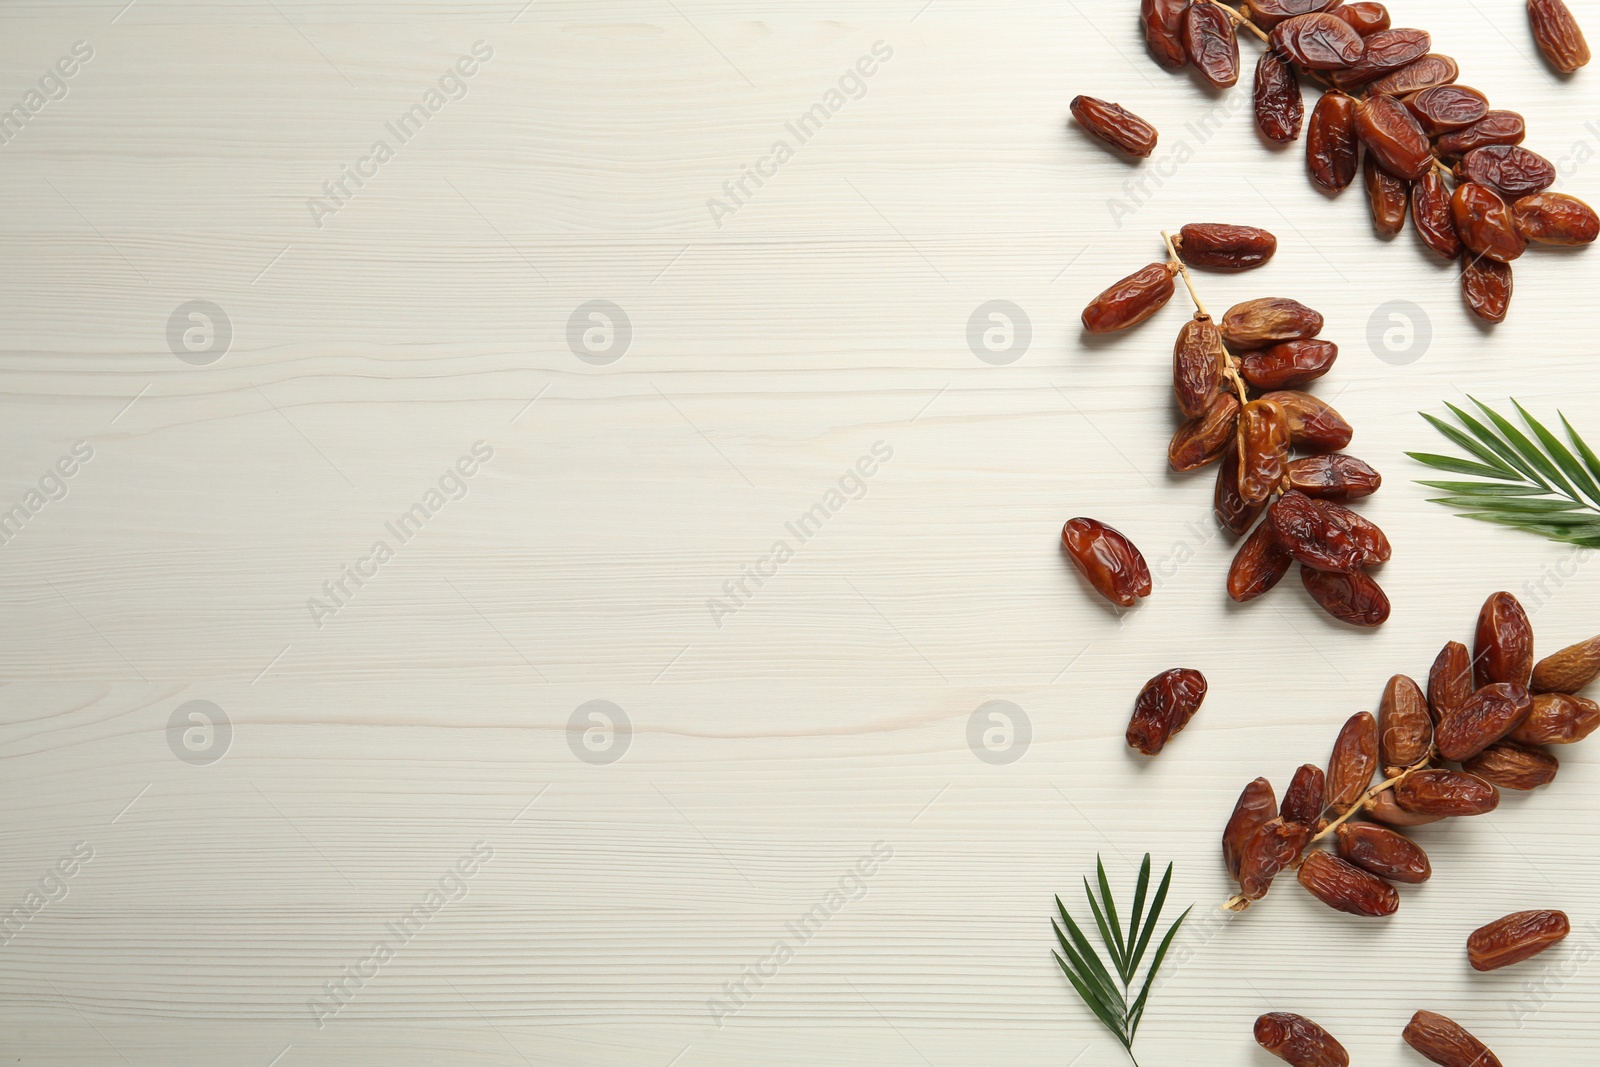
[785, 733]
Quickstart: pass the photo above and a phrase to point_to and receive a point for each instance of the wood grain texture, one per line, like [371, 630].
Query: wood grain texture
[771, 747]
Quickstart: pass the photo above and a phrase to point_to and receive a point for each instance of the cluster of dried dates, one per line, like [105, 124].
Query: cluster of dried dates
[1240, 383]
[1475, 195]
[1485, 723]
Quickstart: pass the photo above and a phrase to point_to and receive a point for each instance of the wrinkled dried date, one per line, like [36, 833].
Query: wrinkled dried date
[1163, 30]
[1313, 424]
[1197, 362]
[1332, 149]
[1302, 801]
[1354, 597]
[1230, 507]
[1555, 219]
[1449, 681]
[1131, 300]
[1385, 51]
[1557, 719]
[1334, 476]
[1486, 288]
[1384, 809]
[1508, 169]
[1263, 449]
[1496, 127]
[1318, 41]
[1211, 44]
[1432, 69]
[1488, 715]
[1268, 320]
[1405, 729]
[1392, 135]
[1446, 1043]
[1508, 765]
[1447, 107]
[1278, 105]
[1255, 808]
[1206, 437]
[1224, 246]
[1557, 34]
[1270, 850]
[1108, 560]
[1380, 851]
[1268, 13]
[1164, 706]
[1298, 1041]
[1484, 222]
[1568, 670]
[1115, 125]
[1431, 215]
[1514, 938]
[1260, 564]
[1288, 364]
[1444, 792]
[1311, 535]
[1354, 759]
[1386, 197]
[1345, 887]
[1502, 647]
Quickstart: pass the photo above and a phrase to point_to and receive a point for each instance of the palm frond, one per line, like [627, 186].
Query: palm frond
[1532, 481]
[1105, 991]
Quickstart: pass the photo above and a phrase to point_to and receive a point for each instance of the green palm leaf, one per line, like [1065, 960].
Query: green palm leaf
[1106, 996]
[1531, 481]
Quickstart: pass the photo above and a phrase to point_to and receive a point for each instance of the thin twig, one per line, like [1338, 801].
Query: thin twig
[1174, 262]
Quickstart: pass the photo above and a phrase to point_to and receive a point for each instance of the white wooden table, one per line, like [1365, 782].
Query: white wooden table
[801, 741]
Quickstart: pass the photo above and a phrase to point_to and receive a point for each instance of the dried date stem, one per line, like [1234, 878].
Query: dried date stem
[1238, 902]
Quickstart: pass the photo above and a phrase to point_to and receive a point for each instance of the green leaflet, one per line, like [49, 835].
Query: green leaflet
[1532, 481]
[1106, 991]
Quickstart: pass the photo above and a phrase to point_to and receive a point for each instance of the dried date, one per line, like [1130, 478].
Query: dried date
[1354, 597]
[1514, 938]
[1298, 1041]
[1449, 681]
[1132, 299]
[1255, 808]
[1302, 801]
[1568, 670]
[1486, 287]
[1502, 648]
[1206, 437]
[1345, 887]
[1272, 848]
[1496, 127]
[1392, 135]
[1278, 105]
[1107, 560]
[1268, 320]
[1424, 73]
[1437, 791]
[1197, 361]
[1288, 364]
[1332, 149]
[1446, 1042]
[1263, 449]
[1164, 707]
[1509, 765]
[1333, 476]
[1163, 30]
[1268, 13]
[1488, 715]
[1385, 51]
[1447, 107]
[1386, 197]
[1508, 169]
[1384, 809]
[1555, 219]
[1558, 35]
[1431, 215]
[1224, 246]
[1354, 759]
[1484, 222]
[1557, 719]
[1313, 423]
[1405, 729]
[1380, 851]
[1260, 564]
[1318, 41]
[1115, 125]
[1211, 44]
[1311, 535]
[1232, 510]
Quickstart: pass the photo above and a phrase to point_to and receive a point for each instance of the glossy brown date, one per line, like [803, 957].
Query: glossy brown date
[1197, 361]
[1263, 449]
[1332, 150]
[1508, 169]
[1555, 219]
[1354, 759]
[1369, 539]
[1131, 300]
[1278, 105]
[1484, 222]
[1268, 13]
[1488, 715]
[1318, 41]
[1558, 35]
[1164, 706]
[1255, 808]
[1449, 681]
[1276, 845]
[1431, 216]
[1380, 851]
[1230, 507]
[1391, 134]
[1446, 1042]
[1514, 938]
[1266, 321]
[1211, 44]
[1386, 197]
[1446, 793]
[1313, 423]
[1224, 246]
[1366, 17]
[1354, 597]
[1115, 125]
[1486, 287]
[1384, 809]
[1502, 646]
[1298, 1041]
[1509, 765]
[1385, 52]
[1260, 564]
[1432, 69]
[1288, 364]
[1302, 801]
[1447, 107]
[1557, 719]
[1206, 437]
[1496, 127]
[1163, 30]
[1345, 887]
[1107, 560]
[1334, 476]
[1405, 729]
[1311, 535]
[1568, 670]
